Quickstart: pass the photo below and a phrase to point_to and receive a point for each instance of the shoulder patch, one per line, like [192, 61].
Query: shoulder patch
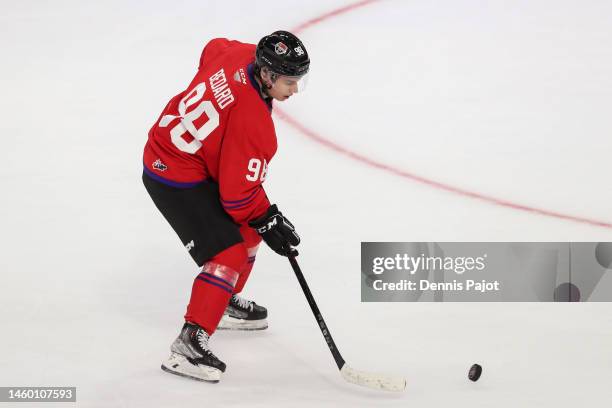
[240, 76]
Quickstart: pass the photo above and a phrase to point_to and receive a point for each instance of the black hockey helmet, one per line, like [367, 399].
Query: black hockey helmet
[283, 53]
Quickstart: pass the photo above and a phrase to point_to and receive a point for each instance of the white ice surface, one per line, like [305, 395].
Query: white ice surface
[510, 99]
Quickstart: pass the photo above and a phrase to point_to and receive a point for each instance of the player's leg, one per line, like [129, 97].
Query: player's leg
[191, 355]
[214, 286]
[215, 243]
[242, 313]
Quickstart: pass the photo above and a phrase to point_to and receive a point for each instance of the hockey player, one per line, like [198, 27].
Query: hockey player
[205, 161]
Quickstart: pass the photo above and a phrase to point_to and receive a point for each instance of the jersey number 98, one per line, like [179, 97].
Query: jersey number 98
[256, 170]
[187, 119]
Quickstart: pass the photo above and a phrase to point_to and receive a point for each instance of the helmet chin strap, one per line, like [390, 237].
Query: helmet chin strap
[265, 86]
[273, 78]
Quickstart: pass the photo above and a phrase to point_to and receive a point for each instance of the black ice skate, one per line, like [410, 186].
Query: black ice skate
[243, 314]
[191, 356]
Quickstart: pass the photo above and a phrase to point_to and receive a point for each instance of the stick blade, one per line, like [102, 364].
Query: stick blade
[371, 380]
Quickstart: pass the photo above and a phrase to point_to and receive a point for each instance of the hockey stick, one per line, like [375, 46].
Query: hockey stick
[376, 381]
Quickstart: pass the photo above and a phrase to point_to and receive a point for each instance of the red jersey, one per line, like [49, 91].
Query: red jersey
[218, 129]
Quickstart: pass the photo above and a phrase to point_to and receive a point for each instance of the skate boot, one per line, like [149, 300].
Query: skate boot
[243, 314]
[191, 357]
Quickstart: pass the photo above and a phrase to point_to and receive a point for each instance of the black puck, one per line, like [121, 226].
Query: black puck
[475, 372]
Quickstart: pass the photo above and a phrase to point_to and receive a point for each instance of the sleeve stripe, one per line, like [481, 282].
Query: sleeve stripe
[240, 201]
[241, 205]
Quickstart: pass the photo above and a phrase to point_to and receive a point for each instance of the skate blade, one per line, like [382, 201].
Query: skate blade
[179, 365]
[231, 323]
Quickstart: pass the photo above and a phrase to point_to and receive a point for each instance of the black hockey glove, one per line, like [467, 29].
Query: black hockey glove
[277, 231]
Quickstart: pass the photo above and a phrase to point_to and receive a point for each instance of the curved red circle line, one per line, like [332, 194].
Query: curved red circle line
[330, 14]
[309, 133]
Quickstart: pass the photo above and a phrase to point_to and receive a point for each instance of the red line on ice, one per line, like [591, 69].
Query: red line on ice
[401, 173]
[330, 14]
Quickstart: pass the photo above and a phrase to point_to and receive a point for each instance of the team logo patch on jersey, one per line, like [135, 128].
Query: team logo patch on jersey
[280, 48]
[240, 76]
[158, 165]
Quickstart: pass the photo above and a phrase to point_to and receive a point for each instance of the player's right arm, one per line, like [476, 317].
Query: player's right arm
[248, 146]
[247, 149]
